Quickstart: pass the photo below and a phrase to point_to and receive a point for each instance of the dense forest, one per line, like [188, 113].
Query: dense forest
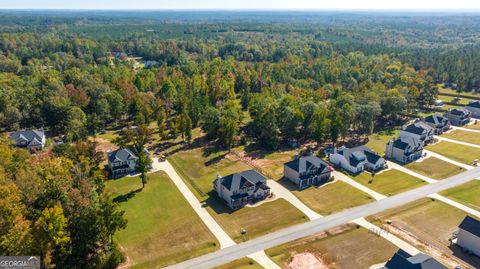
[270, 78]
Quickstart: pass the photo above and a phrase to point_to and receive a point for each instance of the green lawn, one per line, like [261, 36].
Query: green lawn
[451, 91]
[259, 220]
[389, 182]
[430, 220]
[465, 136]
[347, 248]
[162, 228]
[243, 263]
[468, 194]
[378, 141]
[457, 152]
[272, 163]
[199, 168]
[109, 135]
[330, 198]
[451, 99]
[435, 168]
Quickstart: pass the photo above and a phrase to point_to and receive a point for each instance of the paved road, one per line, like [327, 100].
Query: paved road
[302, 230]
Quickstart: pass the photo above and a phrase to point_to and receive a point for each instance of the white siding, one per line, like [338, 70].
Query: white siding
[468, 241]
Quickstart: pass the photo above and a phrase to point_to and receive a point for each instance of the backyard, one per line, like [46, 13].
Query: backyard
[435, 168]
[378, 141]
[341, 247]
[457, 152]
[389, 182]
[158, 215]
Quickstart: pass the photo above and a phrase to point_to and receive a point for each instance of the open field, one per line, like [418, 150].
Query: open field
[465, 136]
[473, 126]
[199, 168]
[329, 198]
[389, 182]
[162, 228]
[457, 152]
[341, 247]
[443, 90]
[452, 99]
[258, 220]
[378, 142]
[467, 194]
[244, 263]
[435, 168]
[428, 218]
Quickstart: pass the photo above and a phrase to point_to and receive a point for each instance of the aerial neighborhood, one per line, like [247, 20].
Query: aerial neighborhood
[239, 139]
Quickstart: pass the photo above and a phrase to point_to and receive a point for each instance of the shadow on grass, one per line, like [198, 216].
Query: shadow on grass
[125, 197]
[217, 204]
[470, 259]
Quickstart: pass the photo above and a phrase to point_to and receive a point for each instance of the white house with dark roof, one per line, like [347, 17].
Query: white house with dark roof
[307, 171]
[404, 149]
[31, 139]
[417, 130]
[439, 123]
[240, 189]
[122, 162]
[468, 235]
[458, 116]
[358, 159]
[474, 108]
[402, 260]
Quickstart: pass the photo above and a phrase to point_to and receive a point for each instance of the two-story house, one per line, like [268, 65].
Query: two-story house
[33, 140]
[404, 149]
[122, 162]
[242, 188]
[458, 116]
[439, 123]
[474, 108]
[419, 131]
[468, 235]
[307, 171]
[358, 159]
[403, 260]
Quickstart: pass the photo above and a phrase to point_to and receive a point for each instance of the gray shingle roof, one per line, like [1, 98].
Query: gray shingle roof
[435, 119]
[358, 154]
[303, 164]
[470, 225]
[458, 111]
[475, 104]
[415, 129]
[121, 155]
[28, 135]
[243, 179]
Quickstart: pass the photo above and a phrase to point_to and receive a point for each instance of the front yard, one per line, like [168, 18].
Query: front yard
[341, 247]
[389, 182]
[162, 228]
[435, 168]
[464, 136]
[467, 194]
[329, 198]
[457, 152]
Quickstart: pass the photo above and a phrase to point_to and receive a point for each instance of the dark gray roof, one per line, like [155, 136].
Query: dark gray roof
[414, 129]
[475, 104]
[458, 111]
[470, 225]
[243, 179]
[28, 135]
[403, 260]
[358, 154]
[305, 163]
[404, 142]
[436, 119]
[121, 155]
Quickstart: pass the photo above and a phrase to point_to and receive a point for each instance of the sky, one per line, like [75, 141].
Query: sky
[245, 4]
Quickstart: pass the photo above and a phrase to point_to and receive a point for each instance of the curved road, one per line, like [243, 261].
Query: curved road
[302, 230]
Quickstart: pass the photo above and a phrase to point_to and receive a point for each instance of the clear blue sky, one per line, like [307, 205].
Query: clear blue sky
[243, 4]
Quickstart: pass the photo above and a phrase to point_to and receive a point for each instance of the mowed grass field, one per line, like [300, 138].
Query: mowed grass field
[457, 152]
[329, 198]
[259, 220]
[162, 228]
[378, 142]
[199, 170]
[244, 263]
[428, 219]
[467, 194]
[347, 248]
[473, 126]
[389, 182]
[464, 136]
[435, 168]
